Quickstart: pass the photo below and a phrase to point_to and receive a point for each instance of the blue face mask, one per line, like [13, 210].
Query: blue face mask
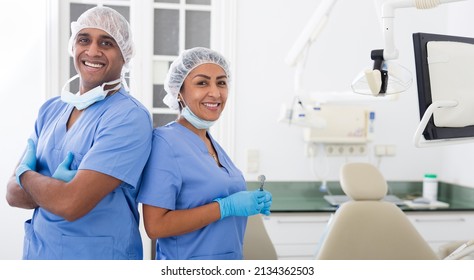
[195, 120]
[82, 101]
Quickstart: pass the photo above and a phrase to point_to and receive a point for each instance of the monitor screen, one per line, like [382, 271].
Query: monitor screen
[445, 71]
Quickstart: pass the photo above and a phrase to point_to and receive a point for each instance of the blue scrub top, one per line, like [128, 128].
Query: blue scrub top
[112, 136]
[181, 174]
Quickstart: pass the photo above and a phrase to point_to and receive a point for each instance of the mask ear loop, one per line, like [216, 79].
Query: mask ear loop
[125, 85]
[181, 102]
[70, 80]
[124, 81]
[115, 88]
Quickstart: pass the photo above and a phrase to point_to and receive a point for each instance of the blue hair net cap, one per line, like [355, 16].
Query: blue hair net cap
[185, 63]
[110, 21]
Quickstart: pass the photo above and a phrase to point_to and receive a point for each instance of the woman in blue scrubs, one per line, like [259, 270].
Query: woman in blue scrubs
[85, 207]
[195, 201]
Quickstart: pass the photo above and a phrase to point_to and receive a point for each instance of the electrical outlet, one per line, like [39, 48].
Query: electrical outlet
[355, 150]
[346, 150]
[334, 150]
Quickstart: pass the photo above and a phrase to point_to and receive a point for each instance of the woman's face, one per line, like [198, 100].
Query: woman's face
[205, 91]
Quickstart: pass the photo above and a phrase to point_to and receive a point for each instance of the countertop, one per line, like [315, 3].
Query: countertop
[306, 197]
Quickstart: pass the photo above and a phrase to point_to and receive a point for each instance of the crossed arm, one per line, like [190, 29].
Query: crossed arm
[67, 194]
[70, 200]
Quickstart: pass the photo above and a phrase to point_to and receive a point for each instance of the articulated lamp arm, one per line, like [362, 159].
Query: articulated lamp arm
[310, 32]
[388, 18]
[377, 79]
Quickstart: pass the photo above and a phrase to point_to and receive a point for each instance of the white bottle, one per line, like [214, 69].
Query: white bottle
[430, 187]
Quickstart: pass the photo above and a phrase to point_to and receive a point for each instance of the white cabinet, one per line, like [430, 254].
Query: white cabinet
[439, 228]
[296, 235]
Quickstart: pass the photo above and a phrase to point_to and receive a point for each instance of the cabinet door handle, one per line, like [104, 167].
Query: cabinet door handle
[440, 220]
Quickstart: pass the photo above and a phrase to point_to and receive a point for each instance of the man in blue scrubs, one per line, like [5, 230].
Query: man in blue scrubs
[84, 206]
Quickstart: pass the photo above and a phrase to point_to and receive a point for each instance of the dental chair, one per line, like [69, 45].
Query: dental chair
[257, 242]
[367, 228]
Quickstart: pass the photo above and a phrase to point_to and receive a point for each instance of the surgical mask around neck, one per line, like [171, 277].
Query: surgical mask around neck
[195, 120]
[82, 101]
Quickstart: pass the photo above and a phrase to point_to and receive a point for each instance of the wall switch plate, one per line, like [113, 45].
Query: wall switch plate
[385, 150]
[253, 161]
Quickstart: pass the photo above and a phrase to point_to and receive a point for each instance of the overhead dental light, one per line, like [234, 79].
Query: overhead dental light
[387, 76]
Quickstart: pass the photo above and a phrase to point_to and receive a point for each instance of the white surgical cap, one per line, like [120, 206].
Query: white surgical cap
[185, 63]
[110, 21]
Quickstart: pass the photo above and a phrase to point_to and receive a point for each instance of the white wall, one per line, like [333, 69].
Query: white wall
[22, 92]
[266, 31]
[457, 160]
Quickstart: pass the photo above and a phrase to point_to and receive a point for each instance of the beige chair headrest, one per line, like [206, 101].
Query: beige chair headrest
[362, 181]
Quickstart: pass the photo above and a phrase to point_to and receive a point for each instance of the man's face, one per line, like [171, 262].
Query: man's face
[97, 58]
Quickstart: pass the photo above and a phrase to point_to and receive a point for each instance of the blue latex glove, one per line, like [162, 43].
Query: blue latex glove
[267, 203]
[243, 203]
[63, 172]
[28, 162]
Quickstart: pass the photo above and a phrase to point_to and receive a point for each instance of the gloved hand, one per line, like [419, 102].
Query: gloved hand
[28, 162]
[63, 172]
[243, 203]
[267, 203]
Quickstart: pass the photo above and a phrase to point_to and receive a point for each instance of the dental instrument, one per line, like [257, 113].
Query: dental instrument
[261, 179]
